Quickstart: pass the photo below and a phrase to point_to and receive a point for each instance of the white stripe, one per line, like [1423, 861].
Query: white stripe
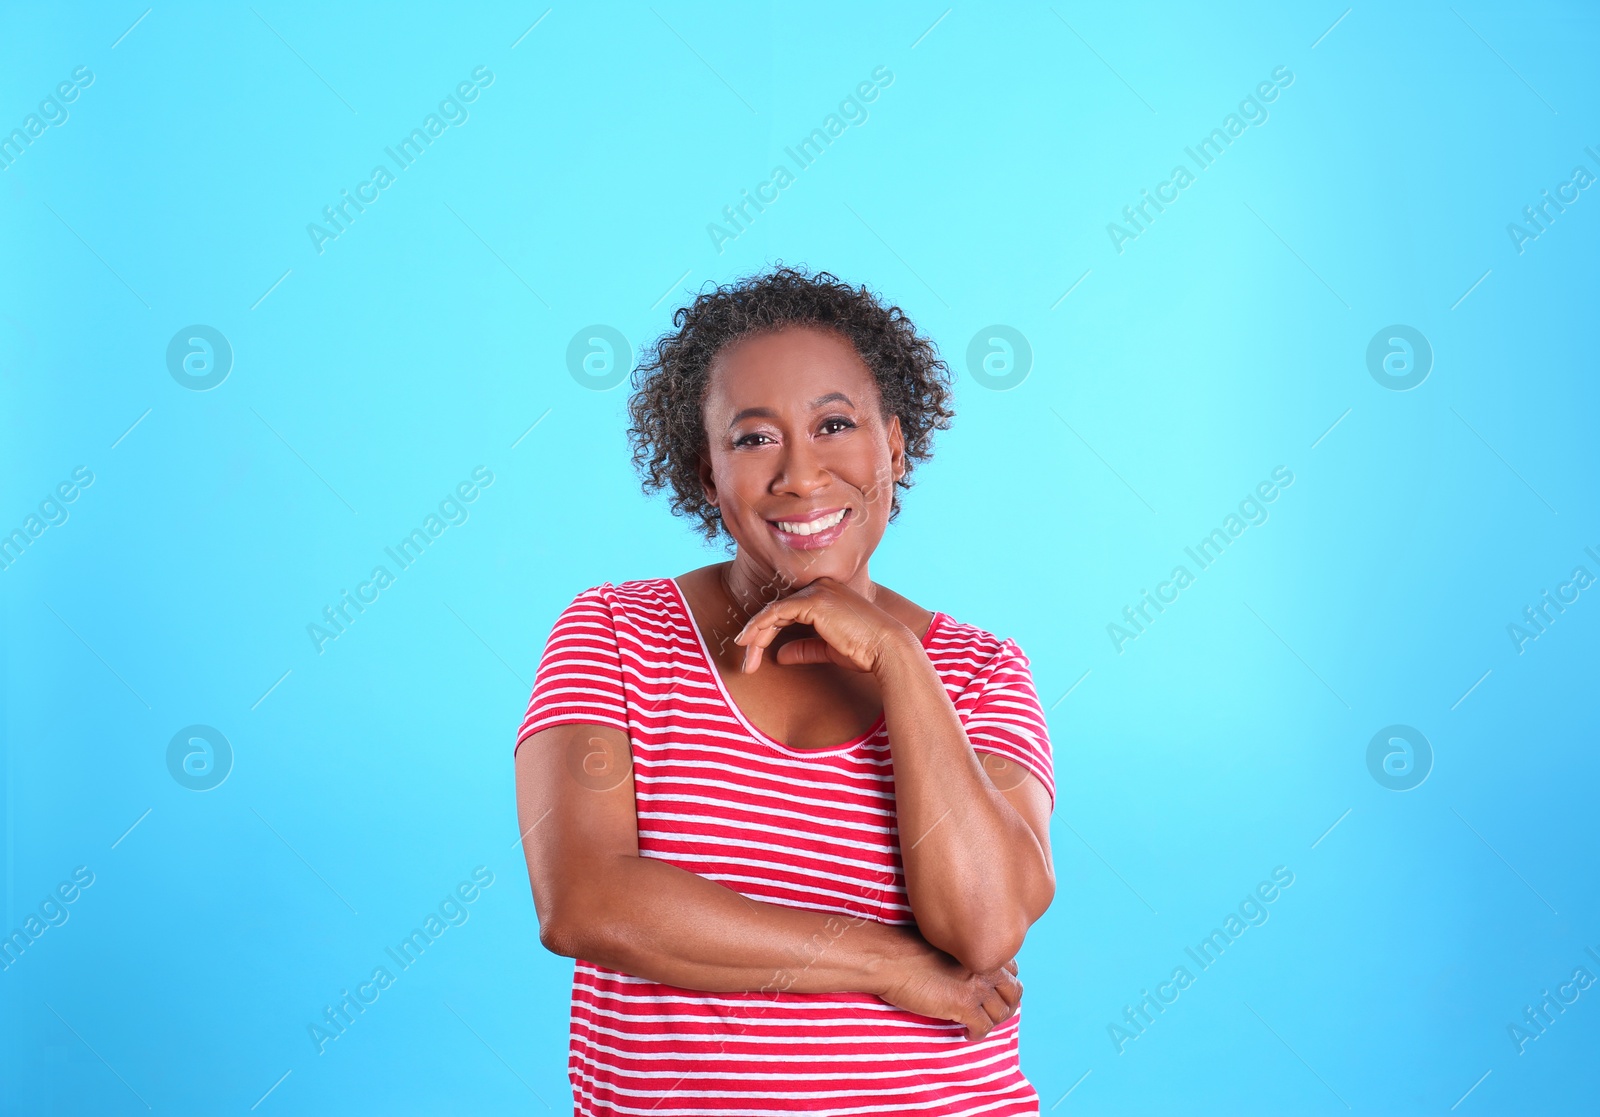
[773, 811]
[866, 823]
[924, 1064]
[1020, 1095]
[874, 783]
[861, 817]
[863, 1002]
[804, 868]
[715, 795]
[873, 754]
[771, 891]
[892, 1107]
[992, 1048]
[771, 1046]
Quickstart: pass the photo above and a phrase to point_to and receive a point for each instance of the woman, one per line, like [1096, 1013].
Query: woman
[793, 825]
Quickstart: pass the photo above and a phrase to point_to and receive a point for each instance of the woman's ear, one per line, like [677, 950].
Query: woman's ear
[897, 448]
[708, 483]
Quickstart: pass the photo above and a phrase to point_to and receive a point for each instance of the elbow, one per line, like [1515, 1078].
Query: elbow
[982, 939]
[990, 952]
[986, 929]
[981, 949]
[1002, 940]
[563, 928]
[557, 938]
[584, 912]
[996, 940]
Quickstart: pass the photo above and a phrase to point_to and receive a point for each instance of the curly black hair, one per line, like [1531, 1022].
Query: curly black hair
[667, 430]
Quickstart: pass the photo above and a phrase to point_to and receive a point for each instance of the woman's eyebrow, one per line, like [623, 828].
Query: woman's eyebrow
[768, 413]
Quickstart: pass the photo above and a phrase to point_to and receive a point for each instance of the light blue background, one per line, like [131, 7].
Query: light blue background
[1227, 340]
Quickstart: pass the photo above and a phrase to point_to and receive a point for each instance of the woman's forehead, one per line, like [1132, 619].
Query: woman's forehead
[800, 362]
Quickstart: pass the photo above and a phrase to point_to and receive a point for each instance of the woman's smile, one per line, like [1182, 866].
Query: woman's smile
[707, 745]
[812, 531]
[804, 457]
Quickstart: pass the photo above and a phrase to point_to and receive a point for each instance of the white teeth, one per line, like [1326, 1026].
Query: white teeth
[811, 527]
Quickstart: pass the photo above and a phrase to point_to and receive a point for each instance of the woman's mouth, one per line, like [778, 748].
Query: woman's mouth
[813, 531]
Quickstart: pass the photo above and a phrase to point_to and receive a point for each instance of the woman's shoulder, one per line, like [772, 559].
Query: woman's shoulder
[639, 614]
[632, 595]
[956, 643]
[969, 641]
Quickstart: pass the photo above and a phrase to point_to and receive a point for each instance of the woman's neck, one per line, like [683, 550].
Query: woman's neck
[751, 587]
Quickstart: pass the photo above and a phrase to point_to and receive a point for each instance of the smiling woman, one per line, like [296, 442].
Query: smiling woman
[792, 825]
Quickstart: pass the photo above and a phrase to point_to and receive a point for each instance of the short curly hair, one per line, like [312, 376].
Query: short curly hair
[667, 429]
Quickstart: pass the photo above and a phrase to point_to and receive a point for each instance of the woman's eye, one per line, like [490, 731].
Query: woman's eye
[836, 424]
[749, 439]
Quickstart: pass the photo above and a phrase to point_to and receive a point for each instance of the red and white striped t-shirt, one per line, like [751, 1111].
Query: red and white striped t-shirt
[807, 828]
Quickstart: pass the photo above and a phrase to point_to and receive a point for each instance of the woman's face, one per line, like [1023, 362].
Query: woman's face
[801, 462]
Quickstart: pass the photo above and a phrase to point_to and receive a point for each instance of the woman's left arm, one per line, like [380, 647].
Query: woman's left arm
[974, 827]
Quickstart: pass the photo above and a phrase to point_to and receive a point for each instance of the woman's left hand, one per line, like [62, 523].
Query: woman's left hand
[851, 631]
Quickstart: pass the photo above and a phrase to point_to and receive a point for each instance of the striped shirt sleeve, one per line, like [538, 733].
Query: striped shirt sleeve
[580, 676]
[1001, 713]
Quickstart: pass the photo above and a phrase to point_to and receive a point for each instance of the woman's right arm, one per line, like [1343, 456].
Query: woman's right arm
[598, 900]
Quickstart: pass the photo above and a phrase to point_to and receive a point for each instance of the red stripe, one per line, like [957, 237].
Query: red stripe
[813, 830]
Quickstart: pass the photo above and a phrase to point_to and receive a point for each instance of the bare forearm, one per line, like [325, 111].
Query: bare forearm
[662, 923]
[976, 875]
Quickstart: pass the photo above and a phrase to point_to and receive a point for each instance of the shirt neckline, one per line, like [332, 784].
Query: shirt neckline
[749, 726]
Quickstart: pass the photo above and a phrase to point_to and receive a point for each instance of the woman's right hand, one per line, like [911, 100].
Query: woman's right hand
[927, 981]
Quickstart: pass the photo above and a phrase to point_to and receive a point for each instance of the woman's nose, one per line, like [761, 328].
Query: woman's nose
[801, 470]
